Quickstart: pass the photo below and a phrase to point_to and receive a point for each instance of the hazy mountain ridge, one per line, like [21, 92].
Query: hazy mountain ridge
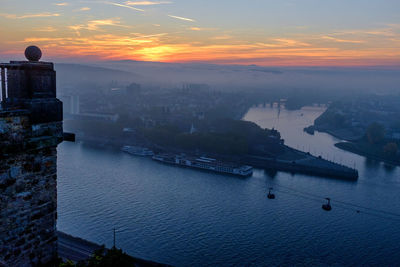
[232, 77]
[73, 74]
[253, 76]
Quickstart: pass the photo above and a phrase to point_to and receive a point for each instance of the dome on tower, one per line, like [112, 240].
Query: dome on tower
[33, 53]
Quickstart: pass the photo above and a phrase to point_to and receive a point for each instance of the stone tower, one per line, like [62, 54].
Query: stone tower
[30, 130]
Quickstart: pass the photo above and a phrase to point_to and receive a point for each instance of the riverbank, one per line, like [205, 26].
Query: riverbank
[366, 152]
[305, 164]
[77, 249]
[346, 134]
[353, 143]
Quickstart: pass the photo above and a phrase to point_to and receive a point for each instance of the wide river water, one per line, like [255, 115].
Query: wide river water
[186, 217]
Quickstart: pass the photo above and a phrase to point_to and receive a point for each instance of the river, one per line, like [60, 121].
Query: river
[186, 217]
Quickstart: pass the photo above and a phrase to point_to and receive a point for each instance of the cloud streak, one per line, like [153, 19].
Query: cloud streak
[338, 40]
[201, 29]
[29, 16]
[46, 29]
[95, 25]
[221, 37]
[146, 3]
[124, 6]
[181, 18]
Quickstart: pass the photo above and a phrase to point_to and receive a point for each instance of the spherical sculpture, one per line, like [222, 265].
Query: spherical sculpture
[33, 53]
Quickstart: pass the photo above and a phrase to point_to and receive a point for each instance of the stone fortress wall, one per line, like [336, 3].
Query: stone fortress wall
[30, 130]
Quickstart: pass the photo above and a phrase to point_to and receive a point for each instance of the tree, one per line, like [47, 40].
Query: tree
[104, 258]
[375, 133]
[338, 120]
[390, 149]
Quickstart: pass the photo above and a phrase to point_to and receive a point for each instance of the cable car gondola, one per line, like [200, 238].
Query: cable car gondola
[271, 195]
[327, 206]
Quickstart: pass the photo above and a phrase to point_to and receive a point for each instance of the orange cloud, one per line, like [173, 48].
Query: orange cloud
[342, 40]
[290, 42]
[61, 4]
[158, 47]
[221, 37]
[46, 29]
[201, 29]
[148, 43]
[28, 16]
[94, 25]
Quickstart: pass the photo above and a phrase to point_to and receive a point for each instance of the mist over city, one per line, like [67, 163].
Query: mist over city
[199, 133]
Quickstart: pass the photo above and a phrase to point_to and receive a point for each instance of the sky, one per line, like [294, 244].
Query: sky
[261, 32]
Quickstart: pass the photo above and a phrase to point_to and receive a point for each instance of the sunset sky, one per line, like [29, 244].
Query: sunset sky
[262, 32]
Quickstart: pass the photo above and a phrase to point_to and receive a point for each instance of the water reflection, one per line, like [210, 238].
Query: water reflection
[188, 218]
[271, 173]
[372, 164]
[389, 168]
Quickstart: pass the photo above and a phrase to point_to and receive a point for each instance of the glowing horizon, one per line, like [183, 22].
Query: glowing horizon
[288, 33]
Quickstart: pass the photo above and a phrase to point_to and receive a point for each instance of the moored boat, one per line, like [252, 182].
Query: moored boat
[205, 163]
[138, 151]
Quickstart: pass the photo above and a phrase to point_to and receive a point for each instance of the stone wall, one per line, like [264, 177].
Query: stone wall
[28, 189]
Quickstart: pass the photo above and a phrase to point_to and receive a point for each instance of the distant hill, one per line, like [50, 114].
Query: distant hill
[245, 77]
[231, 77]
[72, 74]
